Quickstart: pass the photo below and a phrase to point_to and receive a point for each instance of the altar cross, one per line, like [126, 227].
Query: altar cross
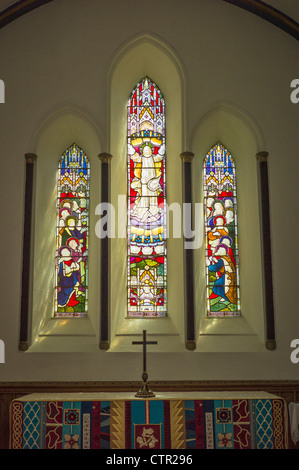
[144, 391]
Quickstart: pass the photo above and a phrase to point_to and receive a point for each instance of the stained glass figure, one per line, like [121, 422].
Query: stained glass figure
[221, 237]
[146, 202]
[71, 292]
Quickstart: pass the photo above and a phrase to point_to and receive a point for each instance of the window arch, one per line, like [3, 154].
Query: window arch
[146, 202]
[71, 280]
[221, 235]
[145, 56]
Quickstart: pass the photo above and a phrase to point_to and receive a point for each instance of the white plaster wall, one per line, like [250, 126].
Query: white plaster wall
[59, 58]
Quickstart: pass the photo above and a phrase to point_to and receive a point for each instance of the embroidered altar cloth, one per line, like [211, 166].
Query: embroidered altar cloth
[177, 420]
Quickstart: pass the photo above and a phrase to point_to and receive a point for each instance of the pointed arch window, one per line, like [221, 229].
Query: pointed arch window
[146, 180]
[71, 289]
[221, 235]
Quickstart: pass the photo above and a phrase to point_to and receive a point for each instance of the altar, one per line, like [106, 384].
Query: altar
[172, 420]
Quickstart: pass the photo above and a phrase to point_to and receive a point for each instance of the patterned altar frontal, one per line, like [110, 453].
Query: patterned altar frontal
[238, 423]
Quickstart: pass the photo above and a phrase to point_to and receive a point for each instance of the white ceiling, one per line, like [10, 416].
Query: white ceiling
[288, 7]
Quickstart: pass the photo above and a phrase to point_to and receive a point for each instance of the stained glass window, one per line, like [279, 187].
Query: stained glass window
[72, 234]
[221, 237]
[146, 202]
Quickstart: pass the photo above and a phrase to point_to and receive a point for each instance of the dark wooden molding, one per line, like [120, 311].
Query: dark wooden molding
[25, 333]
[262, 158]
[256, 7]
[105, 258]
[270, 386]
[270, 14]
[19, 9]
[186, 158]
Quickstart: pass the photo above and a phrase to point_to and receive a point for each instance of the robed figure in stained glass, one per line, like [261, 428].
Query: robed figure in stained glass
[220, 206]
[146, 202]
[72, 234]
[146, 182]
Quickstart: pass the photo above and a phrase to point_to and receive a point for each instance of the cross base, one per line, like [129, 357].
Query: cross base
[144, 391]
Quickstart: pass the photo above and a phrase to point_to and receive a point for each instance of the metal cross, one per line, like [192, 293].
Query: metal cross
[144, 391]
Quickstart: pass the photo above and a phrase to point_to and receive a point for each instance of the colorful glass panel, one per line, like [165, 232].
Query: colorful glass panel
[146, 202]
[72, 234]
[221, 236]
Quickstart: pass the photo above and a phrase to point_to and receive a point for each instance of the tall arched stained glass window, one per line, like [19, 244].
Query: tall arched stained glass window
[72, 234]
[221, 236]
[146, 202]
